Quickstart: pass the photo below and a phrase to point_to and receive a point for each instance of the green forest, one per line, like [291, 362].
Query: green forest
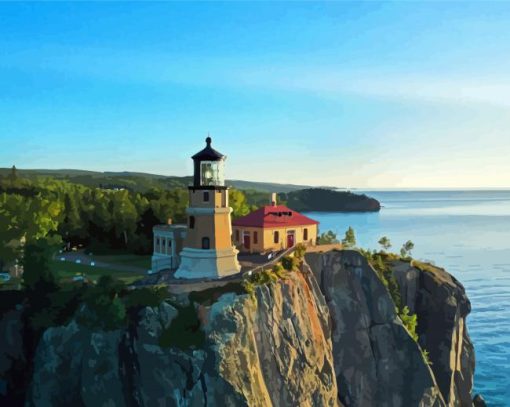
[63, 210]
[69, 214]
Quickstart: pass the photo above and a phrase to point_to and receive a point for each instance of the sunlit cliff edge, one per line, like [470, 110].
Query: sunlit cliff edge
[327, 335]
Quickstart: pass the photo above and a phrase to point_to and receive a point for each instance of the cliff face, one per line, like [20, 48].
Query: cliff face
[270, 349]
[377, 363]
[441, 304]
[325, 336]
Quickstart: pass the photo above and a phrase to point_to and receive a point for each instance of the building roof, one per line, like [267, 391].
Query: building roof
[274, 216]
[208, 153]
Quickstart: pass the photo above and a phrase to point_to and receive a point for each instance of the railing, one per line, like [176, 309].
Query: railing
[274, 260]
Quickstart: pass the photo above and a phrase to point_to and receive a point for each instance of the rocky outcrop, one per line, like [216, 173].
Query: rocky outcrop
[328, 335]
[377, 363]
[441, 304]
[272, 348]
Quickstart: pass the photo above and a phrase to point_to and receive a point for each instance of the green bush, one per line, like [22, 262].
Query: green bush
[278, 270]
[299, 251]
[290, 263]
[409, 321]
[262, 278]
[380, 262]
[185, 331]
[328, 237]
[426, 357]
[104, 308]
[103, 313]
[146, 297]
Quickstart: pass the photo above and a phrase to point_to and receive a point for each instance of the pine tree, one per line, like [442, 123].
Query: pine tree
[350, 238]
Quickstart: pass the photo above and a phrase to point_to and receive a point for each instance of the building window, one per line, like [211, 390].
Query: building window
[169, 243]
[237, 235]
[305, 234]
[206, 196]
[192, 222]
[255, 237]
[276, 237]
[205, 243]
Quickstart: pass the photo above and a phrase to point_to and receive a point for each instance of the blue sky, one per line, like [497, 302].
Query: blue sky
[363, 95]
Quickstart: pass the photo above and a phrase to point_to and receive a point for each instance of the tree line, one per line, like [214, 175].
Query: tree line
[61, 212]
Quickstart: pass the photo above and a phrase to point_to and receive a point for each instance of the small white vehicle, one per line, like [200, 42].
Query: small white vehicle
[78, 261]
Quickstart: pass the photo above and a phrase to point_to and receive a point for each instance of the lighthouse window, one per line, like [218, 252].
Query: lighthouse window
[212, 173]
[276, 237]
[191, 222]
[206, 196]
[205, 243]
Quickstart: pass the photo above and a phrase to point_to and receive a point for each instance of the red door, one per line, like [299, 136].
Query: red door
[246, 241]
[290, 240]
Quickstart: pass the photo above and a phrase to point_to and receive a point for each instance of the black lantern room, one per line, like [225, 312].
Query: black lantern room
[208, 167]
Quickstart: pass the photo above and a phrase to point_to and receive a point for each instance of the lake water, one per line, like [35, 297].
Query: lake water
[468, 234]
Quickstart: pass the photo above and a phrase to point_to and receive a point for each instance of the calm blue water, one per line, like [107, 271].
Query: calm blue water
[467, 233]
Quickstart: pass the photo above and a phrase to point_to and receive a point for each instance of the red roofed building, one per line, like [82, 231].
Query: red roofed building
[272, 228]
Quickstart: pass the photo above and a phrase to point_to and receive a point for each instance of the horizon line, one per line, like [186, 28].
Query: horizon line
[358, 188]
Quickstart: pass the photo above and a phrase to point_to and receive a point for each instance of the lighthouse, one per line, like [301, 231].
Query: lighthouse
[207, 250]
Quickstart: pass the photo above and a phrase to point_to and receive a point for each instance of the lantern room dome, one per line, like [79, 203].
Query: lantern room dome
[208, 153]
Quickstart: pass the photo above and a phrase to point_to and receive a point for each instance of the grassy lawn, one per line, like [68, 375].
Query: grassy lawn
[67, 270]
[127, 260]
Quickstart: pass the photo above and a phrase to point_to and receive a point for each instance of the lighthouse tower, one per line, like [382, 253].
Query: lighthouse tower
[208, 251]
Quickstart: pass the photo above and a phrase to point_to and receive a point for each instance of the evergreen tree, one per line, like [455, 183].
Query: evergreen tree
[405, 251]
[350, 238]
[385, 242]
[328, 237]
[37, 273]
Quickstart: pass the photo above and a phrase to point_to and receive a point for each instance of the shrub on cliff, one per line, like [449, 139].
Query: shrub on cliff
[262, 278]
[409, 321]
[103, 308]
[328, 237]
[185, 331]
[146, 296]
[379, 261]
[290, 263]
[299, 251]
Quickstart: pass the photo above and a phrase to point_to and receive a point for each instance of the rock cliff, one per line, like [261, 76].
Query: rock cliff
[273, 348]
[441, 305]
[377, 363]
[328, 335]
